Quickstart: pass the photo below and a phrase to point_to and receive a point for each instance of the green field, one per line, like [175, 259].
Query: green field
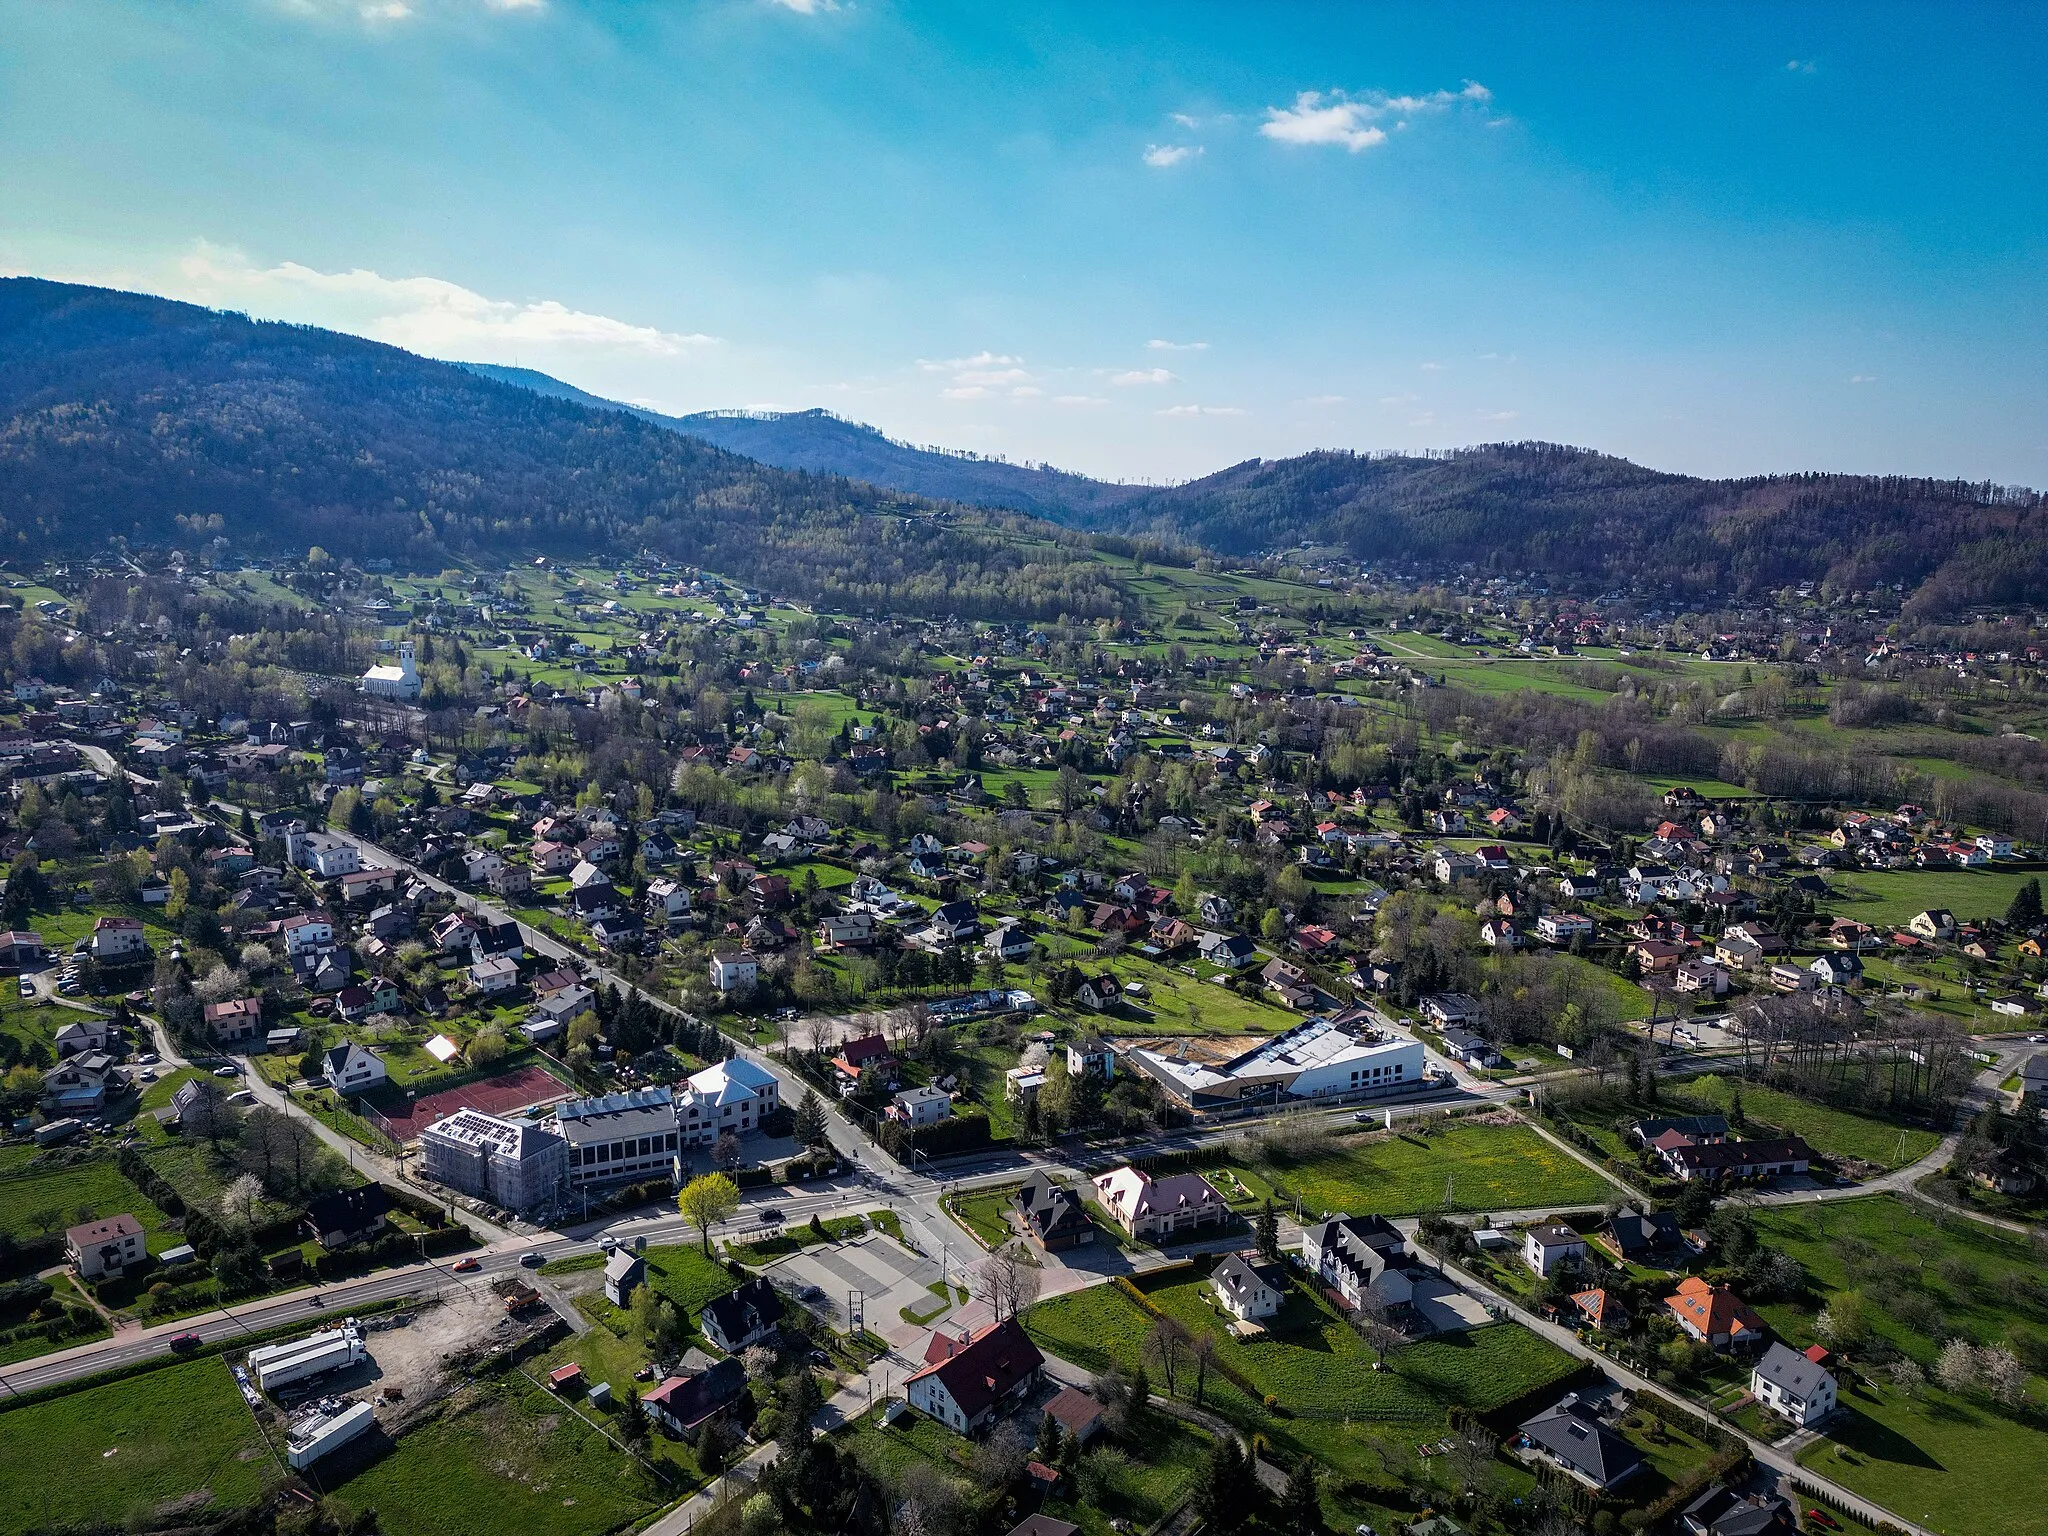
[1467, 1167]
[180, 1437]
[1889, 898]
[1953, 1463]
[503, 1459]
[684, 1276]
[96, 1183]
[1835, 1132]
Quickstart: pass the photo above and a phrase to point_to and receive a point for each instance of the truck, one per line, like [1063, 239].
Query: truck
[280, 1365]
[326, 1430]
[50, 1132]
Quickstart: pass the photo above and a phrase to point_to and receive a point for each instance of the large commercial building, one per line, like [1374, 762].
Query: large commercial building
[619, 1137]
[506, 1162]
[1319, 1059]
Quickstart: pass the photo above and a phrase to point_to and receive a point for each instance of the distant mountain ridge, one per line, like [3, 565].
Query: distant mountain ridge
[828, 444]
[1568, 516]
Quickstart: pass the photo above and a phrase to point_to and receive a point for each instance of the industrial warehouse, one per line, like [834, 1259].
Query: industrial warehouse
[1337, 1058]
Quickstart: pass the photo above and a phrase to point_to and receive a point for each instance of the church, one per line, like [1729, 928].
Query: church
[399, 682]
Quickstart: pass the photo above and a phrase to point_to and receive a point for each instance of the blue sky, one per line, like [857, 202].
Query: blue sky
[1134, 240]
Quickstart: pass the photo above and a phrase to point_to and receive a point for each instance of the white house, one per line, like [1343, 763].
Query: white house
[104, 1247]
[118, 938]
[1147, 1207]
[1563, 927]
[921, 1106]
[732, 971]
[966, 1383]
[306, 932]
[732, 1096]
[1248, 1291]
[1794, 1386]
[494, 974]
[353, 1068]
[1549, 1244]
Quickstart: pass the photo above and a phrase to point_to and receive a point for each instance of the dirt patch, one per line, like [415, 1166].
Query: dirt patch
[412, 1356]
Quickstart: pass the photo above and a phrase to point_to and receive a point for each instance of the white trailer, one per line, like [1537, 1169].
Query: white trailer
[279, 1365]
[312, 1438]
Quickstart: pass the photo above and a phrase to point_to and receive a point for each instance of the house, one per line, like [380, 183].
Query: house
[684, 1404]
[733, 971]
[1714, 1161]
[117, 940]
[345, 1216]
[235, 1022]
[1714, 1315]
[1147, 1207]
[352, 1068]
[494, 975]
[22, 951]
[847, 930]
[1053, 1216]
[1448, 1008]
[1231, 951]
[85, 1035]
[306, 933]
[624, 1270]
[99, 1248]
[856, 1056]
[1701, 1128]
[1570, 1436]
[1642, 1237]
[977, 1377]
[2033, 1090]
[1794, 1385]
[510, 881]
[1076, 1413]
[1468, 1048]
[1837, 970]
[1548, 1244]
[1564, 928]
[1248, 1290]
[1096, 993]
[1357, 1256]
[1936, 923]
[742, 1317]
[733, 1095]
[921, 1106]
[1721, 1512]
[1601, 1310]
[1698, 975]
[565, 1003]
[668, 901]
[1009, 943]
[1088, 1055]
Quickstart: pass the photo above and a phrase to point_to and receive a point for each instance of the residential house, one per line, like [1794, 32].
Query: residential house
[1722, 1512]
[1715, 1161]
[926, 1105]
[1601, 1310]
[1564, 928]
[1643, 1237]
[344, 1216]
[743, 1316]
[624, 1272]
[235, 1022]
[1053, 1216]
[1248, 1290]
[117, 940]
[1714, 1315]
[1548, 1244]
[494, 975]
[1794, 1385]
[683, 1404]
[1572, 1437]
[96, 1249]
[733, 971]
[1359, 1257]
[1450, 1008]
[1470, 1049]
[1231, 951]
[352, 1068]
[1147, 1207]
[1936, 923]
[1079, 1415]
[972, 1381]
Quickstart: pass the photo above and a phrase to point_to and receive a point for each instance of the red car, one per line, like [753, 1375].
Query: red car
[466, 1266]
[1821, 1517]
[184, 1341]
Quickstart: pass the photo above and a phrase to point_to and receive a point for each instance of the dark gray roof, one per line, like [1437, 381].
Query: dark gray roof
[738, 1313]
[1719, 1512]
[1570, 1432]
[1790, 1371]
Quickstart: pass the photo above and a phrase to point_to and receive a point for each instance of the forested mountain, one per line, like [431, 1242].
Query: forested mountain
[826, 444]
[126, 416]
[1576, 517]
[1569, 516]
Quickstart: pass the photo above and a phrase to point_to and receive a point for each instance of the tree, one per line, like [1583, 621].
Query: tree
[707, 1200]
[1301, 1509]
[1202, 1352]
[1223, 1487]
[1005, 1282]
[810, 1120]
[1269, 1232]
[1165, 1345]
[2025, 909]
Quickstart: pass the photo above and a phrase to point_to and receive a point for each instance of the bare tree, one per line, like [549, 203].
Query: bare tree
[1006, 1281]
[1376, 1327]
[1165, 1346]
[1202, 1352]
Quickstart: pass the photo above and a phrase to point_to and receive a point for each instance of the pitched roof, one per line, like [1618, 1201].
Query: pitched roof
[739, 1312]
[1569, 1430]
[348, 1210]
[1790, 1371]
[1714, 1310]
[985, 1368]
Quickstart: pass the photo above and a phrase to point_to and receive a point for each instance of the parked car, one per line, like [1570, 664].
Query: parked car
[26, 987]
[148, 1059]
[227, 1071]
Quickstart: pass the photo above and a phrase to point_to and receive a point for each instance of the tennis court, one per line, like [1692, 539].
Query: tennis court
[520, 1089]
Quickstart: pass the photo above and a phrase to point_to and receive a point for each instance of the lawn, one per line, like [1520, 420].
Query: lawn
[684, 1276]
[1953, 1463]
[503, 1459]
[985, 1213]
[95, 1183]
[1834, 1132]
[1465, 1167]
[1889, 898]
[131, 1448]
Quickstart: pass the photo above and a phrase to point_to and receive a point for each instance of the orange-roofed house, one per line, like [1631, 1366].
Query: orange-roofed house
[1715, 1315]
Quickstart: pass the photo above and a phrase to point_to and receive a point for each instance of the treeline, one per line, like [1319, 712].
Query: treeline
[128, 417]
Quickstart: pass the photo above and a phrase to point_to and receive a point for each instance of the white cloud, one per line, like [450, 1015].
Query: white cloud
[979, 360]
[807, 7]
[990, 376]
[1200, 410]
[1186, 121]
[1324, 400]
[422, 314]
[1079, 400]
[1143, 376]
[965, 392]
[1336, 117]
[1800, 66]
[1160, 156]
[1431, 367]
[1026, 392]
[1862, 378]
[1496, 415]
[392, 10]
[1156, 345]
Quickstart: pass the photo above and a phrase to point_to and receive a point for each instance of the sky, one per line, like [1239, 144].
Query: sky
[1142, 241]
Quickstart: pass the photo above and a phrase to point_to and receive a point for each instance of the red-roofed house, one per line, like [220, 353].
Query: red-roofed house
[965, 1390]
[1715, 1315]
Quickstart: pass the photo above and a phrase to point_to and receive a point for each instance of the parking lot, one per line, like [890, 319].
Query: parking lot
[875, 1274]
